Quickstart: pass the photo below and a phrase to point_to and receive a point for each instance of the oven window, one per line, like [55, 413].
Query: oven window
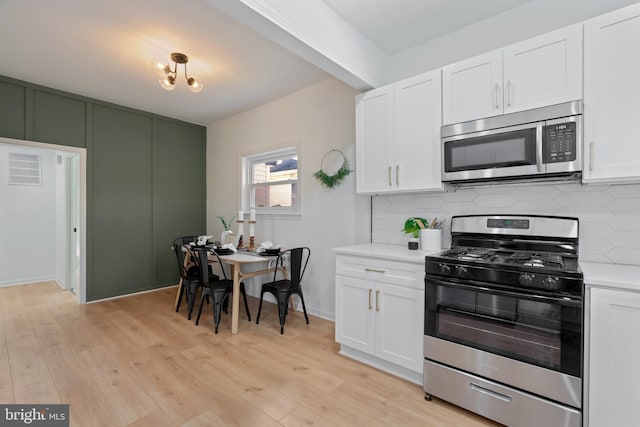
[517, 148]
[546, 334]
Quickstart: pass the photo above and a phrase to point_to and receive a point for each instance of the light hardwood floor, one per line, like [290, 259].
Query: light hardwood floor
[134, 361]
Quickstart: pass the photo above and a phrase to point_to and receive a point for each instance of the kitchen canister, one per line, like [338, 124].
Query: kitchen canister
[431, 239]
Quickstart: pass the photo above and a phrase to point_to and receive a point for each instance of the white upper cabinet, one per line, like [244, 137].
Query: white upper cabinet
[472, 89]
[398, 136]
[374, 135]
[611, 97]
[541, 71]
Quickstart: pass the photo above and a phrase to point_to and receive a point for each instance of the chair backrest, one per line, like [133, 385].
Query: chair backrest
[298, 260]
[201, 258]
[185, 240]
[180, 255]
[224, 273]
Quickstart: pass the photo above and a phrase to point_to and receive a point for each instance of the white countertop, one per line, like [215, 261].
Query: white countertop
[390, 252]
[611, 275]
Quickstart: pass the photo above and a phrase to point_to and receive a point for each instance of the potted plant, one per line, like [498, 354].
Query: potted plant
[412, 226]
[226, 233]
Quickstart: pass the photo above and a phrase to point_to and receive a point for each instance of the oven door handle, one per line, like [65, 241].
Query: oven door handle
[482, 287]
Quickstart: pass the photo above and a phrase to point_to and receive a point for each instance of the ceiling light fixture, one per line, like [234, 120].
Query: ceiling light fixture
[167, 77]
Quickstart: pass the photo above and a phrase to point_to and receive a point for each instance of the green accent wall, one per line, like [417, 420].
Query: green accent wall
[145, 180]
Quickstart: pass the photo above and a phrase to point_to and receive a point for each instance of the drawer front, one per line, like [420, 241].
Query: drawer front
[380, 270]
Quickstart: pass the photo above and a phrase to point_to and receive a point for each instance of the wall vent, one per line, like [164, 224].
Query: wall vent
[25, 169]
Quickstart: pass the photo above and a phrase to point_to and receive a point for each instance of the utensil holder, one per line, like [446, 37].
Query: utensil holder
[431, 239]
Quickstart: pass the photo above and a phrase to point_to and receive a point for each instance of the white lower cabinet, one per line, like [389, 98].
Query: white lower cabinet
[380, 313]
[613, 367]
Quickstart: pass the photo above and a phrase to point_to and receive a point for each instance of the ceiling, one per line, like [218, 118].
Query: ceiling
[103, 49]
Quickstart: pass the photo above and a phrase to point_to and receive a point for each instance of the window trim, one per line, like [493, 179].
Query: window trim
[247, 197]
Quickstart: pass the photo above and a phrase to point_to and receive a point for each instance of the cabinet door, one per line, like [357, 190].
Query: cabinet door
[399, 325]
[543, 71]
[354, 313]
[614, 352]
[374, 133]
[611, 94]
[472, 89]
[417, 138]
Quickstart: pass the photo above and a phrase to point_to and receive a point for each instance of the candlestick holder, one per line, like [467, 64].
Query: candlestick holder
[252, 246]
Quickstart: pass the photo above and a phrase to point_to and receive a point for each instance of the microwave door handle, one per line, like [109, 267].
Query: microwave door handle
[539, 147]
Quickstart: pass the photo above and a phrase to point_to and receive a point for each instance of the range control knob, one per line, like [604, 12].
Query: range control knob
[526, 279]
[461, 270]
[444, 268]
[550, 283]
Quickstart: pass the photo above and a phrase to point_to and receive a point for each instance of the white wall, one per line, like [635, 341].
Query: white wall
[531, 19]
[316, 119]
[609, 215]
[27, 223]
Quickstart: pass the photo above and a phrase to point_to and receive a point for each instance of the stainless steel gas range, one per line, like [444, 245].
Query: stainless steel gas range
[503, 333]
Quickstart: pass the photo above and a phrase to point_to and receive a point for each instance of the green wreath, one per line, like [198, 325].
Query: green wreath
[332, 181]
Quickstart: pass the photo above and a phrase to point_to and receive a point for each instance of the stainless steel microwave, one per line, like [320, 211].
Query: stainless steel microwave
[540, 144]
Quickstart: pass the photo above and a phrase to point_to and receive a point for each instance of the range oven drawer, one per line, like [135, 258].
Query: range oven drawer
[495, 401]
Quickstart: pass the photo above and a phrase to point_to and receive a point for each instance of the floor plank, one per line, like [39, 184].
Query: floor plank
[134, 361]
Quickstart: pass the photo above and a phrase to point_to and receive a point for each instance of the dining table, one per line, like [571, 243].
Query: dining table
[237, 260]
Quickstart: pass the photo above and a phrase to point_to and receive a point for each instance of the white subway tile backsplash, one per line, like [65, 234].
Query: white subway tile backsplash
[609, 214]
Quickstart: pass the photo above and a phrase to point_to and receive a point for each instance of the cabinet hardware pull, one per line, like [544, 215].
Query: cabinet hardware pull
[484, 390]
[497, 95]
[374, 270]
[397, 172]
[509, 93]
[370, 306]
[390, 176]
[591, 156]
[377, 301]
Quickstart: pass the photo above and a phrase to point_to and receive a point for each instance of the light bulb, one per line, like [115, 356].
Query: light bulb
[159, 68]
[167, 82]
[195, 85]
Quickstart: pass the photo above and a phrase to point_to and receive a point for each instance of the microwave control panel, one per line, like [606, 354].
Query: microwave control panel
[559, 142]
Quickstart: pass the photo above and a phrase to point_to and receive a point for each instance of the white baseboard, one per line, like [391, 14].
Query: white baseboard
[393, 369]
[130, 295]
[27, 281]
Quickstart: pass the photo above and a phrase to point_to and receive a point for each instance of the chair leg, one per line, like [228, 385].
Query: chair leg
[260, 307]
[282, 311]
[182, 291]
[244, 296]
[304, 309]
[191, 297]
[204, 294]
[218, 301]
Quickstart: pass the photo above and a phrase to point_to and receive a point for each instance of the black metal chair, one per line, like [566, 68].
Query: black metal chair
[284, 288]
[219, 290]
[189, 276]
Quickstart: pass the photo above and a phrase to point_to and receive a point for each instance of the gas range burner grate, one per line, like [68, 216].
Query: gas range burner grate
[470, 254]
[536, 260]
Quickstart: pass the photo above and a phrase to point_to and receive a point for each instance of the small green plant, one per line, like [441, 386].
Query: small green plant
[225, 224]
[413, 226]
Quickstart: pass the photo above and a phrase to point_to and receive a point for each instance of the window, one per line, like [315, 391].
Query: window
[25, 169]
[273, 181]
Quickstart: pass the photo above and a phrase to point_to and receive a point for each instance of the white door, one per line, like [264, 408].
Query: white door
[73, 222]
[354, 313]
[611, 94]
[418, 114]
[472, 89]
[400, 325]
[544, 70]
[374, 134]
[614, 352]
